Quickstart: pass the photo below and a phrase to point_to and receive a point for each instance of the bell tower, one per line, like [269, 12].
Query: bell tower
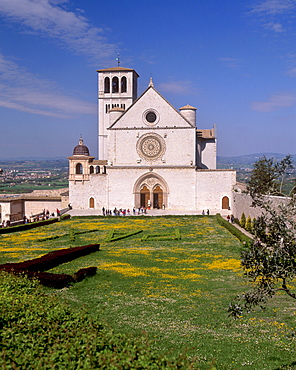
[117, 88]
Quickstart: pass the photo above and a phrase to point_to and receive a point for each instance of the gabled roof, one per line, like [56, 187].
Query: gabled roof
[140, 97]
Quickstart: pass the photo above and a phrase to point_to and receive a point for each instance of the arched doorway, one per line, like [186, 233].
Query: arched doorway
[157, 197]
[225, 203]
[151, 190]
[91, 202]
[144, 197]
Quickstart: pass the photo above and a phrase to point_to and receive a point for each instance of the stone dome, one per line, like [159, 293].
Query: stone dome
[81, 149]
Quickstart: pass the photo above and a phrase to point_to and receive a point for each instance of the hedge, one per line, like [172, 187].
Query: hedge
[243, 238]
[35, 268]
[115, 235]
[32, 225]
[176, 235]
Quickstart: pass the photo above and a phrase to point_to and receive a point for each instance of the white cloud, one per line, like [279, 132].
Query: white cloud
[272, 7]
[274, 26]
[52, 19]
[177, 87]
[275, 102]
[23, 91]
[273, 13]
[291, 72]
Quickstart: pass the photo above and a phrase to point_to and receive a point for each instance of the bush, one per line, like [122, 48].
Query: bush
[38, 331]
[248, 225]
[254, 224]
[242, 221]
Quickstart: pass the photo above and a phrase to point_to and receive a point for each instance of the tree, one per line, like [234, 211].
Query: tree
[242, 220]
[270, 260]
[268, 175]
[248, 224]
[254, 220]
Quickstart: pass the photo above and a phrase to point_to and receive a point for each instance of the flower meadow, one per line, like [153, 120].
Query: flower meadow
[173, 292]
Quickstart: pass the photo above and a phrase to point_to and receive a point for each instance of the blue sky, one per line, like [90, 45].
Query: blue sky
[235, 61]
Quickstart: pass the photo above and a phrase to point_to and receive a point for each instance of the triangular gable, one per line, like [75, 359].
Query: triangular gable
[151, 101]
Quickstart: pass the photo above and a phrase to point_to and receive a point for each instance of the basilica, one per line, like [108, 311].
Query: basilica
[150, 154]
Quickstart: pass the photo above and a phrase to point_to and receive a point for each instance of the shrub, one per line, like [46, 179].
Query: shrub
[242, 221]
[248, 224]
[254, 224]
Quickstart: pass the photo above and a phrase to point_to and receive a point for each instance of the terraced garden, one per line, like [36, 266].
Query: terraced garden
[170, 279]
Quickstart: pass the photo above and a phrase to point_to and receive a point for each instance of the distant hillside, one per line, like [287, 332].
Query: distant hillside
[246, 160]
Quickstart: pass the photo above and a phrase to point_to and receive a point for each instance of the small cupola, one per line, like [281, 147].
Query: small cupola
[189, 113]
[81, 149]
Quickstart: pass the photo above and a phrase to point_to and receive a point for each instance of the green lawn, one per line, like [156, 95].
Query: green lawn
[176, 292]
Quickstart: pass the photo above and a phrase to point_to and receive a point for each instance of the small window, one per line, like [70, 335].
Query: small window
[115, 85]
[91, 169]
[98, 169]
[79, 169]
[151, 117]
[107, 85]
[104, 170]
[123, 84]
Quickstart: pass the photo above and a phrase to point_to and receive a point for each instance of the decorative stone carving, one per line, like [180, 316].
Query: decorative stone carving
[151, 181]
[151, 147]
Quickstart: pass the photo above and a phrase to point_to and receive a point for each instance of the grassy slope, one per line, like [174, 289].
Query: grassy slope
[177, 292]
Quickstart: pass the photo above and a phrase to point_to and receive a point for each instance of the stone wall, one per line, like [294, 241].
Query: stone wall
[35, 206]
[243, 202]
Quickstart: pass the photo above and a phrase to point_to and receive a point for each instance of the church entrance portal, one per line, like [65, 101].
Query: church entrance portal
[151, 191]
[157, 197]
[145, 197]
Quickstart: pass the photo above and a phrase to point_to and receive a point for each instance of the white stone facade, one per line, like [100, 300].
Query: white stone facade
[150, 154]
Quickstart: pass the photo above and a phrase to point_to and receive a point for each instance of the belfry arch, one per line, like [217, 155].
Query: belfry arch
[151, 190]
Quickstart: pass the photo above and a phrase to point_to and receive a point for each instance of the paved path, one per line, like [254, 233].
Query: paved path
[244, 231]
[152, 212]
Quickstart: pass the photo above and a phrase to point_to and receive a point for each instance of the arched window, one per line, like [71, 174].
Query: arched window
[79, 169]
[123, 84]
[107, 85]
[115, 85]
[98, 169]
[225, 203]
[91, 202]
[104, 169]
[91, 169]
